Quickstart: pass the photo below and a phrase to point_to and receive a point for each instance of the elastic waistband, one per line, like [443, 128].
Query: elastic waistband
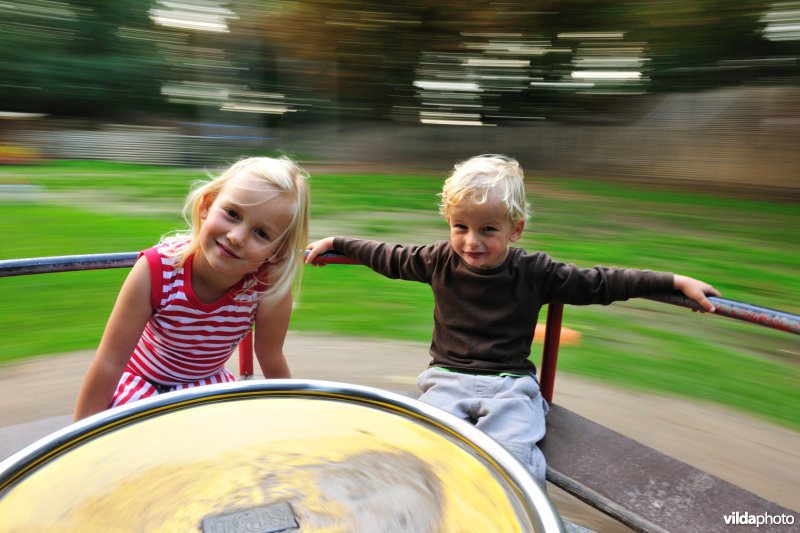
[481, 372]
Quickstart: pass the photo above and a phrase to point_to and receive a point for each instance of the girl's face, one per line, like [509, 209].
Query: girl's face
[240, 228]
[480, 233]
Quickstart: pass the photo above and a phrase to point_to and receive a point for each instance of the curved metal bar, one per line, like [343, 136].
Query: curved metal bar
[70, 263]
[66, 263]
[763, 316]
[545, 516]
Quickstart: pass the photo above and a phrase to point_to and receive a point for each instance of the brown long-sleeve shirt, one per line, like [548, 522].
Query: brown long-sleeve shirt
[484, 319]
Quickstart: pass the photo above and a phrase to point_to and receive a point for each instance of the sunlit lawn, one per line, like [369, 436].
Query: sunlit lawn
[748, 249]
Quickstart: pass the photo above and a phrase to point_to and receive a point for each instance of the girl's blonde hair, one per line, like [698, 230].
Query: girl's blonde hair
[478, 177]
[284, 177]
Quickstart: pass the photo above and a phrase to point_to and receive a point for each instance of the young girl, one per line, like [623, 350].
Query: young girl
[188, 301]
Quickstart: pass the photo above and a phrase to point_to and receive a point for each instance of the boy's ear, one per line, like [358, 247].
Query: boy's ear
[519, 226]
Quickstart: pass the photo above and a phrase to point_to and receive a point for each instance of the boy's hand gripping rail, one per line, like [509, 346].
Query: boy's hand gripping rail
[332, 258]
[763, 316]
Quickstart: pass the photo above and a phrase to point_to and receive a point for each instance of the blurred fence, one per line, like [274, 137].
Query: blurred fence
[174, 145]
[744, 137]
[135, 144]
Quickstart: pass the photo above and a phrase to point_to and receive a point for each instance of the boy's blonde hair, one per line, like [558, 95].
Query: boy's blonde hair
[284, 177]
[478, 177]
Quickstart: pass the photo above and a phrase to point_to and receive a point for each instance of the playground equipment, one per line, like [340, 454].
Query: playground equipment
[268, 455]
[608, 471]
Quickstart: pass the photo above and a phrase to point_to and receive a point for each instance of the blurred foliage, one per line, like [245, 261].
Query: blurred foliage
[80, 58]
[355, 58]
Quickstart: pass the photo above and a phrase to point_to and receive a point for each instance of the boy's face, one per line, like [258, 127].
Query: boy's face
[480, 233]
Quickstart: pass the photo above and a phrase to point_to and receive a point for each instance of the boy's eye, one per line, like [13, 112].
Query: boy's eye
[489, 229]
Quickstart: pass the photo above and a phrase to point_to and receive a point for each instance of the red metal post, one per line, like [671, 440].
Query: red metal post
[246, 355]
[552, 336]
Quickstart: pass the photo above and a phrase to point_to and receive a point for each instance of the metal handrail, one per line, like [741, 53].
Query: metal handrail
[65, 263]
[762, 316]
[71, 263]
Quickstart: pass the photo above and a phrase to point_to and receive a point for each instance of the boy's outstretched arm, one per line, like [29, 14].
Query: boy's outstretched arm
[318, 247]
[696, 290]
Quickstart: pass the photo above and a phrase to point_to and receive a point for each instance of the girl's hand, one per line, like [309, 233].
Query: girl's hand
[696, 290]
[318, 247]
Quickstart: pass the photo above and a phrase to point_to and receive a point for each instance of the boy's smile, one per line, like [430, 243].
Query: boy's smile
[480, 233]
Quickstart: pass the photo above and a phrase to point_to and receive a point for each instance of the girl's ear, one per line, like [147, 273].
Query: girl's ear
[205, 205]
[517, 233]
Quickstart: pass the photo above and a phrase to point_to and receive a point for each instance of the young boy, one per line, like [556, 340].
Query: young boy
[487, 300]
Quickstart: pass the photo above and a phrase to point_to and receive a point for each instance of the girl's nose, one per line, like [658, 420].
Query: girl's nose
[236, 236]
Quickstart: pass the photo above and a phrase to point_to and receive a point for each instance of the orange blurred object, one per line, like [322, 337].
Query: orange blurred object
[568, 336]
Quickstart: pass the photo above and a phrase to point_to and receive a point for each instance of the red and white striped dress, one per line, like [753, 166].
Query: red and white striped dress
[186, 342]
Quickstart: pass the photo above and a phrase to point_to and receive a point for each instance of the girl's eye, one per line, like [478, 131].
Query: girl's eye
[261, 234]
[230, 212]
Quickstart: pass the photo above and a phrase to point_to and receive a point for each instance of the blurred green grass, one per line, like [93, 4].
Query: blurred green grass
[747, 248]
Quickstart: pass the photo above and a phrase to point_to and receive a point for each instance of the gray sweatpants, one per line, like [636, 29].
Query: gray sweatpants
[508, 409]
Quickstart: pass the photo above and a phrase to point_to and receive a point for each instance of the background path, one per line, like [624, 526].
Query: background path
[756, 455]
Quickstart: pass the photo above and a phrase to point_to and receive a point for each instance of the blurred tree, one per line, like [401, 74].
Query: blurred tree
[518, 59]
[366, 57]
[363, 55]
[702, 44]
[86, 58]
[637, 48]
